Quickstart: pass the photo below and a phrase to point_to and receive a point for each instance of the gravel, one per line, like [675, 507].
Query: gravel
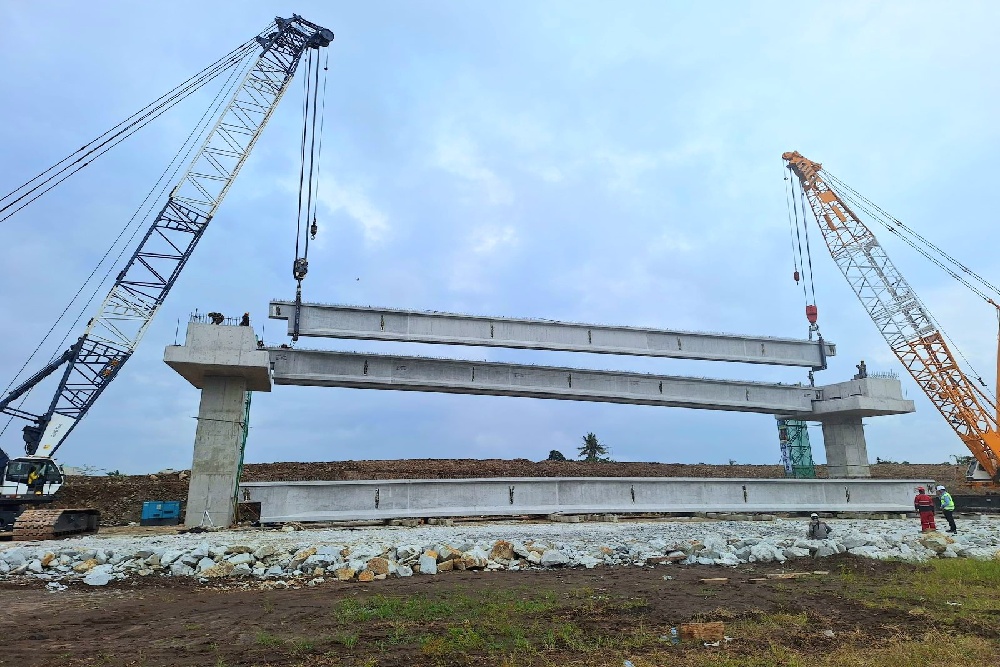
[314, 555]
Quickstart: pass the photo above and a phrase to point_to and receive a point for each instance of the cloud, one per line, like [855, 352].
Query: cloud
[351, 200]
[487, 240]
[458, 155]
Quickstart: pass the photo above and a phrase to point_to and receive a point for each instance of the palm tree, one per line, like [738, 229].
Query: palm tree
[592, 450]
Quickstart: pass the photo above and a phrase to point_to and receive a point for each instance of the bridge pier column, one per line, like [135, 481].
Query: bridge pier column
[224, 362]
[846, 449]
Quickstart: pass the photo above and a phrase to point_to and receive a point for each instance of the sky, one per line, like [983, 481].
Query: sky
[614, 164]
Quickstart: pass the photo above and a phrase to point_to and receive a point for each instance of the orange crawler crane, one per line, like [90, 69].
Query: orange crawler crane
[904, 321]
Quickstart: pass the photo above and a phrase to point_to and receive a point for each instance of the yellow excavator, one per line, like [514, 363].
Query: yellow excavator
[914, 335]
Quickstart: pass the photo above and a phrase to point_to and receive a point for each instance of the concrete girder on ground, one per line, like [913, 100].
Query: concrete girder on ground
[412, 498]
[388, 324]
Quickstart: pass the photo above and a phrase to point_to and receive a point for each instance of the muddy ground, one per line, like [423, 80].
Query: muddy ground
[120, 498]
[173, 621]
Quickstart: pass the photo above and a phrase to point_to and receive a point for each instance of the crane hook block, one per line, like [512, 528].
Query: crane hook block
[300, 268]
[812, 314]
[313, 229]
[796, 277]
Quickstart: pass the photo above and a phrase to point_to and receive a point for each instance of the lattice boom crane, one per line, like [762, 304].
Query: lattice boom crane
[141, 287]
[902, 319]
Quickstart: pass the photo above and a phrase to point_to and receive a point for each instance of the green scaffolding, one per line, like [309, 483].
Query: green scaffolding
[796, 452]
[243, 445]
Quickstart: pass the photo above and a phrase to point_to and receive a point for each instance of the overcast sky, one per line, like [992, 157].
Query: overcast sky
[611, 163]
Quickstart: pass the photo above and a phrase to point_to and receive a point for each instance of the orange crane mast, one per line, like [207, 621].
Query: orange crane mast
[902, 319]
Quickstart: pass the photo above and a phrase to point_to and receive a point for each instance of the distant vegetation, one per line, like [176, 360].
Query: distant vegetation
[592, 450]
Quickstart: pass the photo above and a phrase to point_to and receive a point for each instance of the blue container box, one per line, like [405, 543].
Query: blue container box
[160, 512]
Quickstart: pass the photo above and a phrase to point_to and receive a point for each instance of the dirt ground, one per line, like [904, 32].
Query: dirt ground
[166, 621]
[120, 498]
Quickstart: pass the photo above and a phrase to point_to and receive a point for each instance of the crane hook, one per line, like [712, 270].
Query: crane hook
[313, 229]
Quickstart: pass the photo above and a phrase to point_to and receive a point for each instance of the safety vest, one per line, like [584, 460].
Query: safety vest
[946, 501]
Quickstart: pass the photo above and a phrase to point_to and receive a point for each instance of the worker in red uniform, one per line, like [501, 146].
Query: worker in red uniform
[923, 504]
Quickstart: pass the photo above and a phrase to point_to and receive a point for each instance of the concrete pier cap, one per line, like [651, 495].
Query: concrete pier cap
[224, 362]
[840, 408]
[221, 351]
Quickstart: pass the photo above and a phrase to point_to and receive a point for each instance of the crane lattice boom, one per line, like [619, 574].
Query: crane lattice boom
[142, 285]
[900, 316]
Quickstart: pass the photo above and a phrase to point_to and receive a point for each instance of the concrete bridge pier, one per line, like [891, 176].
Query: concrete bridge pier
[224, 362]
[841, 407]
[846, 449]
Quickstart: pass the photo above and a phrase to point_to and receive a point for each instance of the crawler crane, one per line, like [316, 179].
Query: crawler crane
[256, 76]
[905, 323]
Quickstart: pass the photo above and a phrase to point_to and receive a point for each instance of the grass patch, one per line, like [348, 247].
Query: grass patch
[263, 638]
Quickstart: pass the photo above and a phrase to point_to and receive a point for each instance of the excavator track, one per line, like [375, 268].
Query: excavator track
[53, 524]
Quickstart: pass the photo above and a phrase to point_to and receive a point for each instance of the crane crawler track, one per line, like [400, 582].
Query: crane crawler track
[53, 524]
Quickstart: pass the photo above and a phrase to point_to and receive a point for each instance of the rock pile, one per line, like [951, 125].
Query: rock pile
[314, 556]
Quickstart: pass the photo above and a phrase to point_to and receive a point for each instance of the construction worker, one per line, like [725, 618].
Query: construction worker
[245, 320]
[217, 318]
[923, 504]
[947, 508]
[818, 530]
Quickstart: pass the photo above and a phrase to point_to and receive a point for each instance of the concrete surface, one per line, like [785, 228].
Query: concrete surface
[224, 362]
[387, 324]
[374, 371]
[218, 443]
[388, 499]
[220, 350]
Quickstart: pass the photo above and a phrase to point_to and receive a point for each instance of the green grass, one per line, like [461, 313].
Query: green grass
[582, 627]
[263, 638]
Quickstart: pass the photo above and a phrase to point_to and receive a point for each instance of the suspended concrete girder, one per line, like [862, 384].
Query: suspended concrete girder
[374, 371]
[387, 324]
[406, 498]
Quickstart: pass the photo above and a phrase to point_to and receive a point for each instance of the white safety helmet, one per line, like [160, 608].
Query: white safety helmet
[814, 516]
[940, 488]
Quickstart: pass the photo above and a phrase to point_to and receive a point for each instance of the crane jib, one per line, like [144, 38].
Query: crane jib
[143, 284]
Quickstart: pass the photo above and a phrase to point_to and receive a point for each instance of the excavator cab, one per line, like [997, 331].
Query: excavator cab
[30, 476]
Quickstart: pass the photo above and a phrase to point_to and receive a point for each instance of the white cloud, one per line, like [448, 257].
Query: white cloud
[486, 240]
[458, 155]
[352, 201]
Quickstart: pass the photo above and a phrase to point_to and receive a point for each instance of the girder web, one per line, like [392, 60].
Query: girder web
[900, 316]
[147, 277]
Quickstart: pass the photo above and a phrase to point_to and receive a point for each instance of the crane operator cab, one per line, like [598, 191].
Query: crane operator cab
[28, 477]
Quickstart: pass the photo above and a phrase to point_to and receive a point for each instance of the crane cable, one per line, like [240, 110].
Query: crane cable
[796, 275]
[804, 258]
[901, 230]
[308, 201]
[914, 240]
[164, 181]
[84, 156]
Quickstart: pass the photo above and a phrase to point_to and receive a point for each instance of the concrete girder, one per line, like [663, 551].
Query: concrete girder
[375, 371]
[406, 498]
[388, 324]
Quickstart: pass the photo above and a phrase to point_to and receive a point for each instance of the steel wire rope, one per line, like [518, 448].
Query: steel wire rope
[934, 321]
[192, 140]
[894, 226]
[798, 238]
[893, 221]
[322, 124]
[302, 151]
[312, 156]
[788, 211]
[74, 167]
[805, 229]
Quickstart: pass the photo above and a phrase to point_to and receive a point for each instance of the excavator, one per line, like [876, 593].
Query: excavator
[915, 337]
[254, 78]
